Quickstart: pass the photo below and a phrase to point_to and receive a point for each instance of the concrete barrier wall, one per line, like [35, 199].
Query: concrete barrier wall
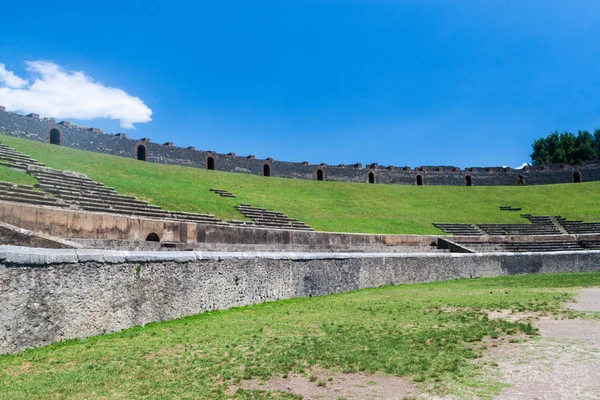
[49, 295]
[92, 225]
[82, 224]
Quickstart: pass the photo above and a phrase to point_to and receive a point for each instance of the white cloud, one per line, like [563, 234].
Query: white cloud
[59, 93]
[9, 79]
[522, 166]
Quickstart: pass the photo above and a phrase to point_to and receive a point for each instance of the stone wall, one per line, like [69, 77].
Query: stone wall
[72, 224]
[93, 139]
[52, 295]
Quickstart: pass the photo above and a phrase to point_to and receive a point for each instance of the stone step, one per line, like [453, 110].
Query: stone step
[108, 197]
[42, 202]
[63, 179]
[108, 203]
[109, 206]
[24, 192]
[86, 193]
[15, 166]
[17, 185]
[161, 216]
[185, 213]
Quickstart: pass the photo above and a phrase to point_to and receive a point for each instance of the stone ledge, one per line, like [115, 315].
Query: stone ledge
[38, 256]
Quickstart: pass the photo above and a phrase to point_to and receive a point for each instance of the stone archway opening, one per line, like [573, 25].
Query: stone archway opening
[55, 136]
[576, 177]
[319, 174]
[152, 237]
[266, 170]
[141, 153]
[419, 180]
[468, 180]
[210, 163]
[371, 177]
[520, 180]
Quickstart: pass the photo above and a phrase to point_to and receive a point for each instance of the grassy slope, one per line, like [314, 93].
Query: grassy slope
[404, 330]
[10, 175]
[329, 206]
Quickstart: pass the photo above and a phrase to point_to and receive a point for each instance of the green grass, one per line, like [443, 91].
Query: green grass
[10, 175]
[328, 206]
[404, 330]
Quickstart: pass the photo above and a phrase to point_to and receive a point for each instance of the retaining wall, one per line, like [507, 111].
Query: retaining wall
[93, 139]
[51, 295]
[67, 223]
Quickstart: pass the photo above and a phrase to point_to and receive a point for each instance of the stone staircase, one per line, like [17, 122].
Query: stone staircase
[223, 193]
[263, 218]
[509, 208]
[83, 193]
[460, 229]
[540, 225]
[27, 194]
[14, 159]
[578, 227]
[73, 190]
[69, 189]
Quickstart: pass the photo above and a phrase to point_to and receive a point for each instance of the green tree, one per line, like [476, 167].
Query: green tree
[566, 148]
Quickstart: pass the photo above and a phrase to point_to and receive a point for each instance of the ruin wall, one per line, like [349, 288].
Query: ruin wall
[93, 139]
[51, 295]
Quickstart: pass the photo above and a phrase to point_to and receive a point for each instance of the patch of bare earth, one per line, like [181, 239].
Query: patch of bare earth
[328, 385]
[562, 363]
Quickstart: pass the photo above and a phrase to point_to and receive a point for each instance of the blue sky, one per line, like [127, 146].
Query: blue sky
[464, 83]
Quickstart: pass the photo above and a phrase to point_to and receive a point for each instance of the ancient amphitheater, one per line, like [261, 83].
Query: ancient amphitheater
[80, 259]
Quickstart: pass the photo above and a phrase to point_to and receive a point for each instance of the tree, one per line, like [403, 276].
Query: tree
[566, 148]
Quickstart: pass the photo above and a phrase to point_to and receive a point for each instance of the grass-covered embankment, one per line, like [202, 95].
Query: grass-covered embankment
[328, 206]
[407, 330]
[10, 175]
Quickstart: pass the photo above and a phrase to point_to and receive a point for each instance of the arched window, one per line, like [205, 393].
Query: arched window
[520, 180]
[468, 180]
[141, 152]
[55, 136]
[152, 237]
[371, 177]
[419, 180]
[210, 163]
[576, 177]
[266, 170]
[319, 174]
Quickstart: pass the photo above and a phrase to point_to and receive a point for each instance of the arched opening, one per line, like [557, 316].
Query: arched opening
[210, 163]
[319, 174]
[371, 177]
[141, 152]
[55, 136]
[419, 180]
[576, 177]
[520, 180]
[468, 180]
[266, 170]
[153, 237]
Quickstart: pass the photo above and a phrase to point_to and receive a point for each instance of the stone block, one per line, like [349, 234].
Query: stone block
[27, 255]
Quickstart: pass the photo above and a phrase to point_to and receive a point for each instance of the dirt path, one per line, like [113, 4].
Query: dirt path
[563, 363]
[326, 385]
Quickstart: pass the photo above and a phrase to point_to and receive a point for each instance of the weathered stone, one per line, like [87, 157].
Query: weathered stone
[47, 296]
[35, 129]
